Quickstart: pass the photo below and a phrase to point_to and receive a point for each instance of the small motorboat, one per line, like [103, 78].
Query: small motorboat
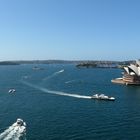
[11, 90]
[20, 122]
[19, 126]
[102, 97]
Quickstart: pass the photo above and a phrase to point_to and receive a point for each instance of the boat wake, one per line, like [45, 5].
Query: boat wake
[17, 131]
[55, 92]
[71, 81]
[60, 71]
[74, 81]
[54, 74]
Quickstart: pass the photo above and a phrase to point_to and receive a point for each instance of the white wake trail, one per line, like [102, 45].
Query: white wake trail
[56, 92]
[15, 132]
[59, 71]
[6, 132]
[54, 74]
[71, 81]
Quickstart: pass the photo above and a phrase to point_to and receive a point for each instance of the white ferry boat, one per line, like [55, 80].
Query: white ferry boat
[102, 97]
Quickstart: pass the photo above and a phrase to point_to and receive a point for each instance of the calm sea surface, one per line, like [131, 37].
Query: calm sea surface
[54, 103]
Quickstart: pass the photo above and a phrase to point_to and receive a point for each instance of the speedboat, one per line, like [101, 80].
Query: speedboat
[11, 90]
[17, 131]
[19, 126]
[102, 97]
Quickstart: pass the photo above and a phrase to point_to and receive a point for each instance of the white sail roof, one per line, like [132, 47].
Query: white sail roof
[139, 70]
[126, 69]
[135, 69]
[138, 62]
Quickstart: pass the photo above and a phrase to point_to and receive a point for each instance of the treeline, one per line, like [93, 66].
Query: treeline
[9, 63]
[104, 64]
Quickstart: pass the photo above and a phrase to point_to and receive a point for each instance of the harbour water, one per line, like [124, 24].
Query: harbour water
[54, 102]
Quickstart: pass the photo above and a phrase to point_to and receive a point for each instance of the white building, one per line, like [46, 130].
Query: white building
[131, 75]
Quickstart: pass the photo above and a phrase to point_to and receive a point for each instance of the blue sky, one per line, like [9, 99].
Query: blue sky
[69, 29]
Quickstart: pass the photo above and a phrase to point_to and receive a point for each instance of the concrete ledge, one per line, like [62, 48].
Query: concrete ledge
[120, 81]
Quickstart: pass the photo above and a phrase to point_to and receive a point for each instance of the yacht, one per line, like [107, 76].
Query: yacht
[102, 97]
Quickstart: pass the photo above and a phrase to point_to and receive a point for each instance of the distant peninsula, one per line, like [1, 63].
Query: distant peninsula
[78, 64]
[103, 64]
[9, 63]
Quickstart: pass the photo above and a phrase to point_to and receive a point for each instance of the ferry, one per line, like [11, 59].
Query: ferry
[102, 97]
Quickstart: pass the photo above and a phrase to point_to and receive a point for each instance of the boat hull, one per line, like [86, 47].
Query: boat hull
[105, 99]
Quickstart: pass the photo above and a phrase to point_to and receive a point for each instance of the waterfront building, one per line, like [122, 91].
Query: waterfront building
[131, 75]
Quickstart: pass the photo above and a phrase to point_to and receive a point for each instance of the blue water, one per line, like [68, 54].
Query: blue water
[47, 100]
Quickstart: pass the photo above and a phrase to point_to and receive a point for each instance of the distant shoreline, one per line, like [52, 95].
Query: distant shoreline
[78, 63]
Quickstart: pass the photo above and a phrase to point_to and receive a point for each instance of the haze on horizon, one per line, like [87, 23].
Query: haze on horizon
[69, 29]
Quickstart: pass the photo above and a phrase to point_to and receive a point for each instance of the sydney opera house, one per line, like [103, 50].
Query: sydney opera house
[131, 75]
